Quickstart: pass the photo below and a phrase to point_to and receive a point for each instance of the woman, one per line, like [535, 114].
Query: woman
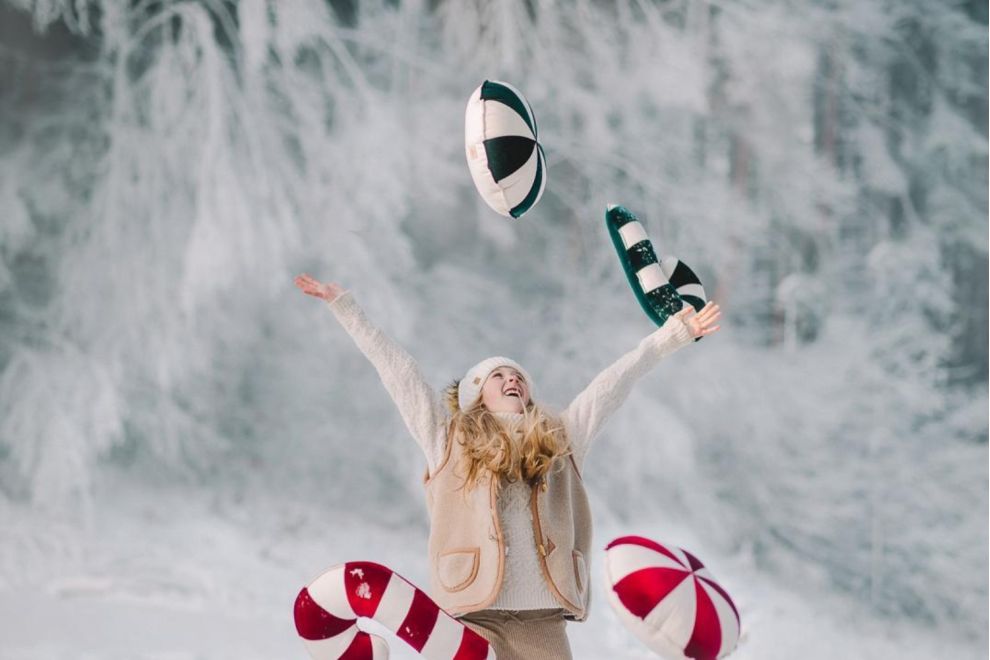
[510, 524]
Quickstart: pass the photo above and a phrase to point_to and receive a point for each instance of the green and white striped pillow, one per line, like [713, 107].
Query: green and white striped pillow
[500, 139]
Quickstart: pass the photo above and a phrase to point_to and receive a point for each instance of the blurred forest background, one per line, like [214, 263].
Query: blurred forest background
[180, 427]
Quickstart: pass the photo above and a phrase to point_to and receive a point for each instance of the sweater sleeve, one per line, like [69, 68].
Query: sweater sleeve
[418, 404]
[587, 413]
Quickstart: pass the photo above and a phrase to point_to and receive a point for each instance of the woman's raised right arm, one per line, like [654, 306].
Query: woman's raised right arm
[418, 403]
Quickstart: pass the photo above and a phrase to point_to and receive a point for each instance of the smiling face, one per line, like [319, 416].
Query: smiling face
[505, 390]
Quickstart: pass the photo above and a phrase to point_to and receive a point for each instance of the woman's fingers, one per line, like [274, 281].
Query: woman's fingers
[706, 315]
[709, 314]
[305, 285]
[701, 322]
[309, 286]
[709, 309]
[710, 320]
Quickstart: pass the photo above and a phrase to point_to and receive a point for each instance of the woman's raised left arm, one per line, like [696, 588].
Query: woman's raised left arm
[587, 413]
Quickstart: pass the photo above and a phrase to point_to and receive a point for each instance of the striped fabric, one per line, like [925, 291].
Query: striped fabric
[326, 615]
[661, 286]
[684, 281]
[668, 599]
[500, 139]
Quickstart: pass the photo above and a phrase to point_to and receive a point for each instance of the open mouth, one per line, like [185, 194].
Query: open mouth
[513, 392]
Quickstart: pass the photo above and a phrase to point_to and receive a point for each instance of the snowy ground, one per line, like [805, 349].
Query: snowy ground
[171, 576]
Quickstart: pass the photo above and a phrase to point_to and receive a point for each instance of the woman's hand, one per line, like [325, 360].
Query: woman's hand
[702, 323]
[329, 291]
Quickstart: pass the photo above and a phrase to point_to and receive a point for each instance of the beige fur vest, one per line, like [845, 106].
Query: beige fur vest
[467, 550]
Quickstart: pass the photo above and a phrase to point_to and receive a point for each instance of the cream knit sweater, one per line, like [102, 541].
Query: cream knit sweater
[421, 408]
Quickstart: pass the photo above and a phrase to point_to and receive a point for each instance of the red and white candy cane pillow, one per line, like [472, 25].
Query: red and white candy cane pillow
[327, 610]
[668, 599]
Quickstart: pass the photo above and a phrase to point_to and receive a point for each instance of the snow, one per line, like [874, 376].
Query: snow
[186, 440]
[143, 584]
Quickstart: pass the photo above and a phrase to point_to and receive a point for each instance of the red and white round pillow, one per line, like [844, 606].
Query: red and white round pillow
[668, 599]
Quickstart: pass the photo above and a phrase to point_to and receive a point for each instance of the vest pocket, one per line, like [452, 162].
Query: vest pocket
[457, 568]
[580, 571]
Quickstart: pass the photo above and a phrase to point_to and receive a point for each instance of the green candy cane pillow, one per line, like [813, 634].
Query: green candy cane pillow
[661, 286]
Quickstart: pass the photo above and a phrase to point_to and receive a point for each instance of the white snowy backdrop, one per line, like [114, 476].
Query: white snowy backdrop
[186, 440]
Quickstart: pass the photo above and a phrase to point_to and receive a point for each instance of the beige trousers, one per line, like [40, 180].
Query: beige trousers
[522, 634]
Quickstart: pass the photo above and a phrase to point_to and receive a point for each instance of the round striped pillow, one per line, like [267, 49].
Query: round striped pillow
[669, 600]
[684, 281]
[505, 159]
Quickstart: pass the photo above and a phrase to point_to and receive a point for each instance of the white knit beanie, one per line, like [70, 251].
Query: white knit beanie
[470, 386]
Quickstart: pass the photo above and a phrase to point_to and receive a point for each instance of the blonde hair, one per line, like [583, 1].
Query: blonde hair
[490, 449]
